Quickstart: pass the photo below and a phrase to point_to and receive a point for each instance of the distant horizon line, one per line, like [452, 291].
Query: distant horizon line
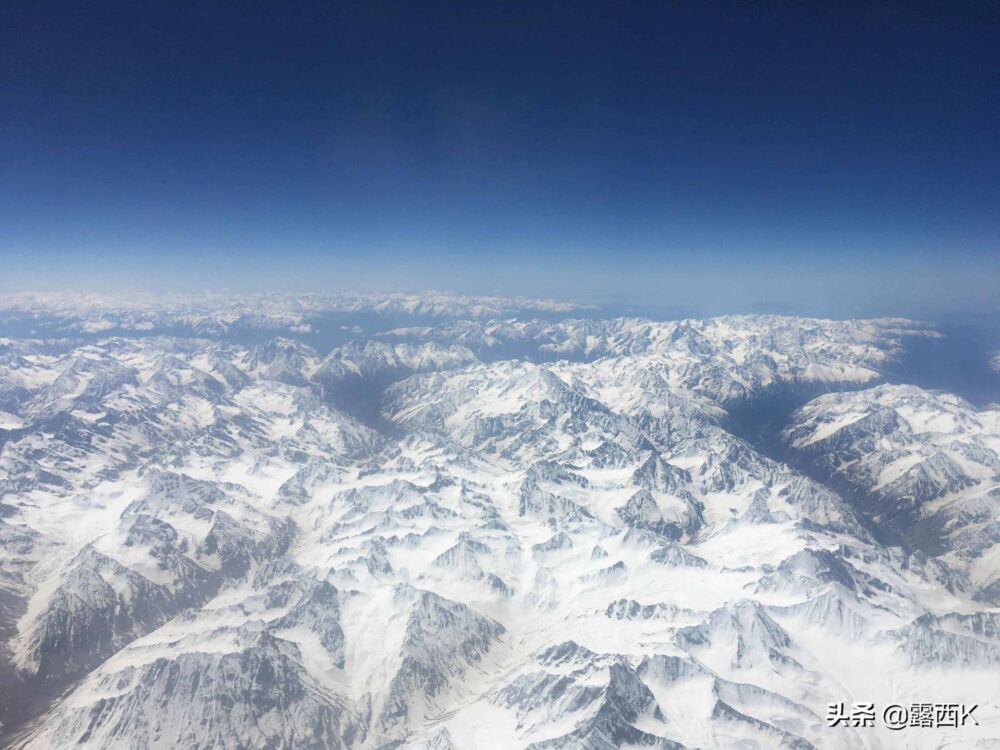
[615, 304]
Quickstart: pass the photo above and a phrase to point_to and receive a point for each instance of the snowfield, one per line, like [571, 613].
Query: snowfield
[492, 532]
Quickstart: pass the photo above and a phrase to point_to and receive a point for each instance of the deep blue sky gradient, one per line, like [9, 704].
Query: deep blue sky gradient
[719, 156]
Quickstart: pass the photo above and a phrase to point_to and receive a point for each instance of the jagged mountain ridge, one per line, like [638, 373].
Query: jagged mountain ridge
[926, 463]
[565, 553]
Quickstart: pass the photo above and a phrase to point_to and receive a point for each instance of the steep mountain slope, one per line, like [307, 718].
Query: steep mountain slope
[924, 465]
[204, 547]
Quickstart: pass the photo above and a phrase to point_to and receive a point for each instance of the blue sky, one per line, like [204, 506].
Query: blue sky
[721, 157]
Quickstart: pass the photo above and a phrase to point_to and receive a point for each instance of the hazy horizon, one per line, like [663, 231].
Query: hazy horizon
[686, 299]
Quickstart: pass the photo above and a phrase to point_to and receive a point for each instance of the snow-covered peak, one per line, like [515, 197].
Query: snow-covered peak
[489, 532]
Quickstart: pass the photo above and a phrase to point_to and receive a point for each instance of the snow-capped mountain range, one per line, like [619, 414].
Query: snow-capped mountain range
[495, 532]
[214, 313]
